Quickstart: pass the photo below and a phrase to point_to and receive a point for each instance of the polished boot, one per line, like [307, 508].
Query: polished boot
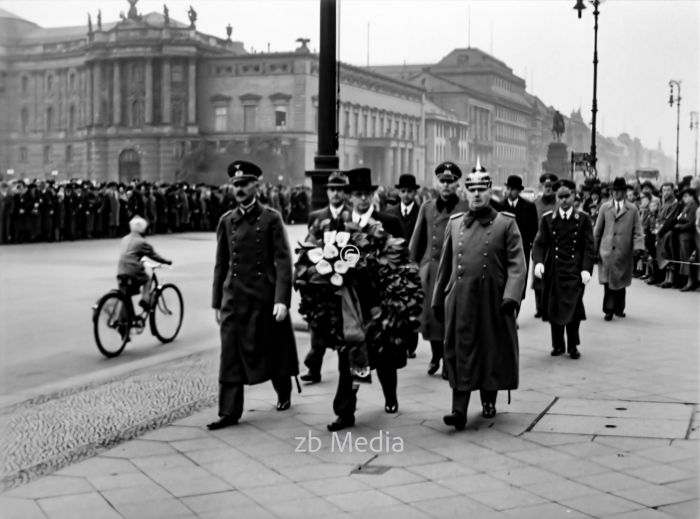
[556, 352]
[608, 317]
[574, 353]
[689, 286]
[224, 421]
[311, 377]
[283, 405]
[488, 409]
[457, 420]
[341, 423]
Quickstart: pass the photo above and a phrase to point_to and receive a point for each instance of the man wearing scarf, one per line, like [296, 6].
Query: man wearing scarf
[425, 248]
[477, 293]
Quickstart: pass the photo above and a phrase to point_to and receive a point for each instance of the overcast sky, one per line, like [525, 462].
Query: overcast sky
[642, 44]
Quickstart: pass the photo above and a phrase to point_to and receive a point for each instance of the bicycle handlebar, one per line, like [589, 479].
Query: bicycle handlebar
[154, 266]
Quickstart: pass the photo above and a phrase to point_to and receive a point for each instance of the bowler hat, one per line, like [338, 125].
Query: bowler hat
[619, 184]
[338, 179]
[514, 182]
[244, 170]
[407, 181]
[360, 180]
[448, 169]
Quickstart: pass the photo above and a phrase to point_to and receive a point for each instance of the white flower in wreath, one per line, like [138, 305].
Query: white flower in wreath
[330, 251]
[329, 236]
[315, 255]
[337, 280]
[323, 267]
[342, 238]
[341, 267]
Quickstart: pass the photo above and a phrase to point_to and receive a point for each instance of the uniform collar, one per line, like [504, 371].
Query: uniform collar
[251, 210]
[448, 204]
[484, 216]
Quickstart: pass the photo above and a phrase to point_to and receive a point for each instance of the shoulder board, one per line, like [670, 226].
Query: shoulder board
[507, 213]
[457, 215]
[227, 213]
[547, 212]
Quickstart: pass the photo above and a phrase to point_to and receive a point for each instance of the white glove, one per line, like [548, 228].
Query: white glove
[585, 276]
[539, 270]
[279, 311]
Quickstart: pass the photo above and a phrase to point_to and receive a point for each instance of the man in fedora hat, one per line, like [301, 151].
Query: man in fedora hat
[563, 254]
[337, 211]
[619, 240]
[251, 294]
[525, 214]
[425, 248]
[386, 363]
[407, 212]
[477, 292]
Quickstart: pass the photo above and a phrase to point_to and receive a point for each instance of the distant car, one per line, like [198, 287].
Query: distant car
[528, 194]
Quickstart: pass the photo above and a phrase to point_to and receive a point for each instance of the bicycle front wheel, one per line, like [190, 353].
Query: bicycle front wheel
[167, 313]
[111, 324]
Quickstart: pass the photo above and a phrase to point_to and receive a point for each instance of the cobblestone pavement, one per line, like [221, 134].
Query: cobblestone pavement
[613, 434]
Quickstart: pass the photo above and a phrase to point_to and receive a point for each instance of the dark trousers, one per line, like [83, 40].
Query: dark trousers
[538, 300]
[572, 337]
[345, 401]
[413, 343]
[460, 399]
[231, 396]
[613, 300]
[437, 348]
[314, 359]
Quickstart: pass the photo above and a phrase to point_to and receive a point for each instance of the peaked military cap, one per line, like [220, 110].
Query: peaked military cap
[548, 177]
[244, 170]
[565, 182]
[338, 179]
[448, 169]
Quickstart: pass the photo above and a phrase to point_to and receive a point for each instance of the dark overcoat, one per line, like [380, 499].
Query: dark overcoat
[482, 264]
[253, 272]
[408, 222]
[424, 249]
[617, 237]
[325, 214]
[565, 248]
[543, 204]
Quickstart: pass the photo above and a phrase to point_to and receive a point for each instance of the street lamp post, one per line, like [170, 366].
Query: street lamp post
[580, 6]
[678, 117]
[694, 126]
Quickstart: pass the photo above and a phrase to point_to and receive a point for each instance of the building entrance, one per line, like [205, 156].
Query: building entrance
[129, 166]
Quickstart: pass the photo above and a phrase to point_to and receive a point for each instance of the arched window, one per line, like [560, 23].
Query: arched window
[24, 84]
[71, 81]
[24, 120]
[49, 83]
[71, 118]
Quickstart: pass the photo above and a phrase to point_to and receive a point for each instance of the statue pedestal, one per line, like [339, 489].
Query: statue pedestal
[557, 160]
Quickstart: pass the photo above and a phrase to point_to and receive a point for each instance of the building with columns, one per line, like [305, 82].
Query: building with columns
[153, 98]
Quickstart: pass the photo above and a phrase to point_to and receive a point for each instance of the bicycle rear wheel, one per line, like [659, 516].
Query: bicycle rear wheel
[167, 313]
[111, 324]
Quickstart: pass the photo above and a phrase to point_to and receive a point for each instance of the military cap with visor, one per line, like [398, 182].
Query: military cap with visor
[243, 170]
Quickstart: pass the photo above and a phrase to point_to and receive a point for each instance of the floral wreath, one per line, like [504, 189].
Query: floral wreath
[359, 287]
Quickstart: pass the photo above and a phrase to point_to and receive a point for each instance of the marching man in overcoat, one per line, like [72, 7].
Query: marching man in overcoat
[251, 294]
[477, 291]
[425, 248]
[619, 239]
[563, 254]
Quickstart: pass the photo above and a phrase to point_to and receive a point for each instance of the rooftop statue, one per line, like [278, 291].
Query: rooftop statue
[558, 127]
[192, 14]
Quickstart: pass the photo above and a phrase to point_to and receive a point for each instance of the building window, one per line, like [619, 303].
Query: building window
[47, 154]
[24, 84]
[49, 83]
[137, 114]
[49, 119]
[221, 119]
[71, 118]
[249, 118]
[346, 127]
[180, 149]
[24, 120]
[71, 81]
[178, 112]
[23, 155]
[356, 123]
[136, 72]
[177, 73]
[69, 153]
[280, 117]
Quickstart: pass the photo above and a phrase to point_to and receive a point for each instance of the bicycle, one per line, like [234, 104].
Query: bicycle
[114, 316]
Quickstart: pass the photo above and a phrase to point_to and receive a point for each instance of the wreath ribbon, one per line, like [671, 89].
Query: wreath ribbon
[354, 332]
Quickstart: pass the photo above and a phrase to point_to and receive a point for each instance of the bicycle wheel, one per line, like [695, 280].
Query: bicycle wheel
[166, 314]
[111, 324]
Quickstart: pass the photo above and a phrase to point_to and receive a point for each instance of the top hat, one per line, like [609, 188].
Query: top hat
[361, 180]
[619, 184]
[407, 181]
[244, 170]
[338, 179]
[514, 182]
[548, 177]
[565, 182]
[448, 169]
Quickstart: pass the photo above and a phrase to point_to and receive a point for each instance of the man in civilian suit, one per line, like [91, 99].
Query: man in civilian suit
[407, 213]
[337, 211]
[525, 214]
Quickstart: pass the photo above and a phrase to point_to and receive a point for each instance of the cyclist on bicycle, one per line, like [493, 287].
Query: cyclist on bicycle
[131, 274]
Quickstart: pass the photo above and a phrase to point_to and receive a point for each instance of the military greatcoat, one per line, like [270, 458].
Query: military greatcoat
[617, 236]
[424, 249]
[253, 272]
[482, 264]
[565, 248]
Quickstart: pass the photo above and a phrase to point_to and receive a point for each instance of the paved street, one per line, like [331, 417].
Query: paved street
[613, 434]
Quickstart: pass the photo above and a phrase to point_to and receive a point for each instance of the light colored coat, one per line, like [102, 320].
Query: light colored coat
[617, 237]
